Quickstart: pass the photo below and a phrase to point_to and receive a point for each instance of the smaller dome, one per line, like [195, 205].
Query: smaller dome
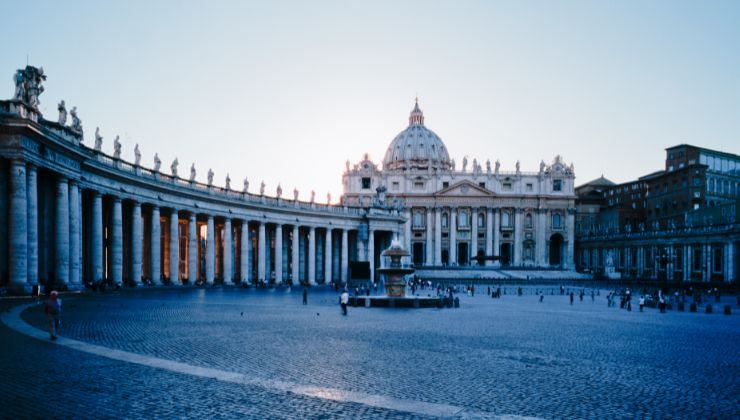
[416, 146]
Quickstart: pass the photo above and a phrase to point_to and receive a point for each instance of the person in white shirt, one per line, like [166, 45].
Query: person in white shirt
[343, 301]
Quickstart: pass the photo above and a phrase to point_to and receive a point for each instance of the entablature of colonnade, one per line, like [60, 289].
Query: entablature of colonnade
[57, 148]
[489, 202]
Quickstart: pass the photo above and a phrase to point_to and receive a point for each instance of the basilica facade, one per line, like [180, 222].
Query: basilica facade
[469, 215]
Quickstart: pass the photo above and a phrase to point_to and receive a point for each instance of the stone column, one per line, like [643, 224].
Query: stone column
[18, 227]
[730, 262]
[489, 234]
[175, 248]
[210, 251]
[33, 225]
[192, 248]
[312, 256]
[473, 235]
[497, 236]
[117, 242]
[517, 236]
[278, 254]
[453, 236]
[295, 257]
[228, 252]
[570, 263]
[707, 262]
[137, 235]
[261, 253]
[244, 252]
[155, 248]
[371, 253]
[327, 257]
[429, 254]
[345, 255]
[407, 231]
[61, 234]
[540, 235]
[96, 240]
[686, 262]
[438, 236]
[74, 235]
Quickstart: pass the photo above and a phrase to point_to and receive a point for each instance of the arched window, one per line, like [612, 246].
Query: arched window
[528, 221]
[505, 219]
[556, 221]
[481, 220]
[445, 220]
[463, 219]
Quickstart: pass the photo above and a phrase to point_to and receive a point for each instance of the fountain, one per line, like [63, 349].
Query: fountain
[395, 284]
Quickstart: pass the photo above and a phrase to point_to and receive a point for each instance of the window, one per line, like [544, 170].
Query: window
[556, 221]
[445, 184]
[530, 187]
[557, 184]
[418, 185]
[482, 184]
[528, 221]
[505, 219]
[507, 186]
[463, 219]
[445, 220]
[395, 186]
[418, 219]
[366, 183]
[481, 220]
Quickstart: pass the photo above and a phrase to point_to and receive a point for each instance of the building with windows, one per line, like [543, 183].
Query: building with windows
[456, 213]
[678, 223]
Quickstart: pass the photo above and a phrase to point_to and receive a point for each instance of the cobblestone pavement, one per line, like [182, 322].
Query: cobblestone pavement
[512, 355]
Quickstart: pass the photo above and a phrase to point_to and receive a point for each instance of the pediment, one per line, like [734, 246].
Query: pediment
[464, 189]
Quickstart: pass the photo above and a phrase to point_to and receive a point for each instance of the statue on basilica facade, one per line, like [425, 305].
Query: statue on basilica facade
[28, 85]
[246, 185]
[279, 191]
[228, 182]
[137, 155]
[262, 188]
[157, 162]
[295, 194]
[62, 113]
[192, 172]
[518, 166]
[488, 166]
[98, 140]
[313, 196]
[452, 164]
[542, 167]
[76, 122]
[498, 166]
[117, 148]
[328, 198]
[465, 164]
[210, 177]
[173, 167]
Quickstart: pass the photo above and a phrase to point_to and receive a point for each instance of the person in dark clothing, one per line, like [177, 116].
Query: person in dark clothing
[305, 296]
[571, 298]
[53, 310]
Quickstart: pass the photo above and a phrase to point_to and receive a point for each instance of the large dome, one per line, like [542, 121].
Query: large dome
[416, 146]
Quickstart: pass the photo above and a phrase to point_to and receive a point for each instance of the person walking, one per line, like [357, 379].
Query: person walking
[642, 302]
[53, 310]
[305, 295]
[343, 301]
[571, 297]
[542, 296]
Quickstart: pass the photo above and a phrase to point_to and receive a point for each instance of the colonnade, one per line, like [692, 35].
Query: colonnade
[100, 236]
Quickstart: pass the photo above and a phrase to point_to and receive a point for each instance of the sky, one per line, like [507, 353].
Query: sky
[285, 92]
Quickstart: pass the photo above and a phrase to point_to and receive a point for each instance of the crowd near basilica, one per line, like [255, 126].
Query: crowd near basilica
[72, 215]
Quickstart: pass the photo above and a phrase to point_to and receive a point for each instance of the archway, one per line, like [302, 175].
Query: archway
[418, 253]
[505, 253]
[556, 249]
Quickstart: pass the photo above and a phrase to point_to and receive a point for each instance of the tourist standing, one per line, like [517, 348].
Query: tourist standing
[642, 302]
[542, 296]
[53, 310]
[343, 301]
[571, 297]
[305, 296]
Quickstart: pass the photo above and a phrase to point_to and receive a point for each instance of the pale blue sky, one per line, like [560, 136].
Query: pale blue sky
[287, 91]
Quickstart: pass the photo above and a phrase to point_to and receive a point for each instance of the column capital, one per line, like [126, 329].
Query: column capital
[116, 199]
